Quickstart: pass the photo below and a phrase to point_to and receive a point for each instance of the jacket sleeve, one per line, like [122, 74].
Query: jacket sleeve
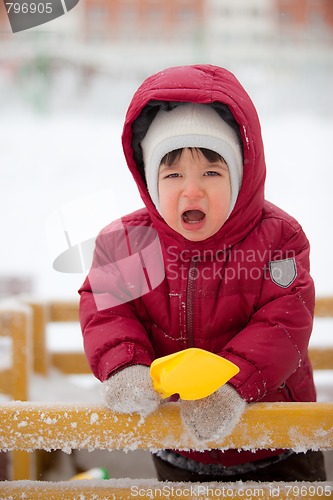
[274, 343]
[113, 334]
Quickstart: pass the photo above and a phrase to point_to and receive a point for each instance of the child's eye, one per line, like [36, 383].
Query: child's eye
[173, 175]
[212, 172]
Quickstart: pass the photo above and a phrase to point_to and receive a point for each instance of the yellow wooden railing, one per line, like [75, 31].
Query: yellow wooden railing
[29, 426]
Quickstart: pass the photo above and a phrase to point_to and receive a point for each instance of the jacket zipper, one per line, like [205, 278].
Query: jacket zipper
[192, 276]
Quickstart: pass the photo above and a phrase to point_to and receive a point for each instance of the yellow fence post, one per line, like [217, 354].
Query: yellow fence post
[40, 351]
[15, 322]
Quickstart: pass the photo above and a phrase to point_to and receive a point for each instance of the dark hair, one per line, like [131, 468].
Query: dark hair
[174, 155]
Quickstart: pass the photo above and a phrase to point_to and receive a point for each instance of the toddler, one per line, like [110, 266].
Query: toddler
[208, 263]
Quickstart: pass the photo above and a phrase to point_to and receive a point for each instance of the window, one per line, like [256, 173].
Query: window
[186, 14]
[155, 14]
[96, 13]
[129, 14]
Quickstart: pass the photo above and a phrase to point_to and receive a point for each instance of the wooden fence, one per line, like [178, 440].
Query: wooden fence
[26, 426]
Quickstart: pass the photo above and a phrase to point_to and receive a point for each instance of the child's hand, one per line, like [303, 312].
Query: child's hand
[214, 417]
[131, 391]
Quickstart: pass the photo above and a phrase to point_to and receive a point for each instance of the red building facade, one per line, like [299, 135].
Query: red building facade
[306, 13]
[141, 19]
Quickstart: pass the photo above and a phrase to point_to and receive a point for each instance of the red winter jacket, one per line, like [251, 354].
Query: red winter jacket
[245, 293]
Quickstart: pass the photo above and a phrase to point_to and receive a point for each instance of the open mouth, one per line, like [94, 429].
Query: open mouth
[193, 216]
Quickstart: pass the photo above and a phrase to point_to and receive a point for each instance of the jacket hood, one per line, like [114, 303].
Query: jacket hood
[202, 84]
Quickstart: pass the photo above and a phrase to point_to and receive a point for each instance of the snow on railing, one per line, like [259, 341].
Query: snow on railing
[30, 426]
[128, 489]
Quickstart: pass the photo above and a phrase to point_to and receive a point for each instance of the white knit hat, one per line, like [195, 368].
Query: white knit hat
[191, 125]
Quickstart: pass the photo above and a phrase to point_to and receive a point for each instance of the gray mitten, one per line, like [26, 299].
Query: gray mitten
[214, 417]
[131, 391]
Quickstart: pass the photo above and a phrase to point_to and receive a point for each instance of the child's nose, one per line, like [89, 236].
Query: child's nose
[193, 188]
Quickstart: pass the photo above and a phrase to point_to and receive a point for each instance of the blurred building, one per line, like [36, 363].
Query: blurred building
[240, 32]
[258, 20]
[141, 20]
[258, 34]
[267, 42]
[306, 14]
[140, 35]
[4, 23]
[235, 31]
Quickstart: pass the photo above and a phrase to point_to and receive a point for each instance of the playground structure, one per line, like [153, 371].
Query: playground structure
[27, 426]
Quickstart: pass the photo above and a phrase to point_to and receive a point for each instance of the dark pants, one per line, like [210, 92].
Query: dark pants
[296, 467]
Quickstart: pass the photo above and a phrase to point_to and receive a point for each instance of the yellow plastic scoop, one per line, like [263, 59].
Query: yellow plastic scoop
[192, 373]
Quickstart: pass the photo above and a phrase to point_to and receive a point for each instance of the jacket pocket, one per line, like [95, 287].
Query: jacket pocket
[165, 343]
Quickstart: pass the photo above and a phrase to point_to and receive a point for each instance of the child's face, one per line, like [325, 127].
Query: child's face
[194, 195]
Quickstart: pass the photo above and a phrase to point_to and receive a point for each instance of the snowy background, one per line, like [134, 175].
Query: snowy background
[49, 162]
[61, 160]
